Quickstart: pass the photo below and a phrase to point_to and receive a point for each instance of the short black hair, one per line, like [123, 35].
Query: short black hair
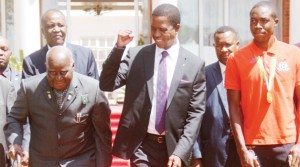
[224, 29]
[267, 4]
[168, 10]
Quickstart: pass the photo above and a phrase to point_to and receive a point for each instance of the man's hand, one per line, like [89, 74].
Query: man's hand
[15, 151]
[197, 163]
[174, 161]
[124, 37]
[248, 159]
[295, 156]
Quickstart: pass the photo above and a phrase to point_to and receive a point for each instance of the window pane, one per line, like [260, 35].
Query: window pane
[189, 31]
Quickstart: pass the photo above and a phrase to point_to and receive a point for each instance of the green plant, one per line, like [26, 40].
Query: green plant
[17, 61]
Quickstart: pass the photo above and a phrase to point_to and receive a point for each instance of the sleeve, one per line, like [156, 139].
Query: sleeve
[232, 78]
[103, 135]
[114, 71]
[27, 70]
[197, 149]
[297, 57]
[17, 116]
[11, 97]
[92, 66]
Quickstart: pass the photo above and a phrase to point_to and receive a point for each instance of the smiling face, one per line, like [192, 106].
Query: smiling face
[225, 44]
[262, 24]
[163, 32]
[5, 54]
[60, 67]
[54, 28]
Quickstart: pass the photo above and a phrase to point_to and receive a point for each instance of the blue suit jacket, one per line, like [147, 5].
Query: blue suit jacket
[215, 129]
[84, 62]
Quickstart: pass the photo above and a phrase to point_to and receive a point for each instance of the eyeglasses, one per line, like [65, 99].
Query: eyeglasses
[54, 73]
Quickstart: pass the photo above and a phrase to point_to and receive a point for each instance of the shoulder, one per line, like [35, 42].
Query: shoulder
[142, 48]
[37, 53]
[34, 80]
[211, 66]
[85, 80]
[191, 57]
[74, 47]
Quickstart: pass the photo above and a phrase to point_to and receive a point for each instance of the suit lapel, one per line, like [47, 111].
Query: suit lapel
[149, 68]
[71, 94]
[220, 86]
[48, 94]
[178, 72]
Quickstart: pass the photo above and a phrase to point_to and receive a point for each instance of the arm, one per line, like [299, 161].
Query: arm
[236, 119]
[13, 129]
[295, 150]
[27, 70]
[114, 71]
[103, 135]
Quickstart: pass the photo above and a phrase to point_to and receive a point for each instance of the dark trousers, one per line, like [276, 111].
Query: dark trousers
[233, 159]
[150, 154]
[2, 156]
[273, 155]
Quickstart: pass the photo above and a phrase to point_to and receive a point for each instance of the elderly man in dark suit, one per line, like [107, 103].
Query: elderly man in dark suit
[68, 115]
[6, 71]
[7, 98]
[164, 98]
[54, 28]
[216, 146]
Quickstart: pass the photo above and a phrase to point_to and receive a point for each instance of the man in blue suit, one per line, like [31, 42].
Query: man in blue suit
[5, 70]
[216, 146]
[54, 28]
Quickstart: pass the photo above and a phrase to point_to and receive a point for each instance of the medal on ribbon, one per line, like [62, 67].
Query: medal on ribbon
[269, 97]
[268, 80]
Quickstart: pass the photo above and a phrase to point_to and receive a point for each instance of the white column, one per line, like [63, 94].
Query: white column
[26, 26]
[294, 21]
[155, 3]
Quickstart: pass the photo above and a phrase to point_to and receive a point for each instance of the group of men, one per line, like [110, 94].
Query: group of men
[239, 111]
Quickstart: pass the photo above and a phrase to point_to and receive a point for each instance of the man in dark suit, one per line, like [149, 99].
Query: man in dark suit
[6, 71]
[68, 115]
[7, 98]
[216, 146]
[54, 28]
[161, 115]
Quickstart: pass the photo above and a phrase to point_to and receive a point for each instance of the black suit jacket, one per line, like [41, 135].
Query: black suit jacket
[83, 59]
[185, 104]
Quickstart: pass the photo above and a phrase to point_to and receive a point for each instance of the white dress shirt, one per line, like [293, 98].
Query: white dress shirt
[171, 63]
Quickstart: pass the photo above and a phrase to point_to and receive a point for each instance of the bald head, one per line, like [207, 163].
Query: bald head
[59, 54]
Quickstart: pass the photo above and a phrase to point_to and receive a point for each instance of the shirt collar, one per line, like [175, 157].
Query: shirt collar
[271, 50]
[173, 50]
[222, 67]
[49, 47]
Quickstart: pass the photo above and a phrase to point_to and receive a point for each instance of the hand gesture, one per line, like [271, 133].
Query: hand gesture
[294, 156]
[174, 161]
[124, 37]
[15, 151]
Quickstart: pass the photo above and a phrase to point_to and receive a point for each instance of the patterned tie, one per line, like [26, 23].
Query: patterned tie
[161, 94]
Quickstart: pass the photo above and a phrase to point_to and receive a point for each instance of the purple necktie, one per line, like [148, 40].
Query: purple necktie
[161, 94]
